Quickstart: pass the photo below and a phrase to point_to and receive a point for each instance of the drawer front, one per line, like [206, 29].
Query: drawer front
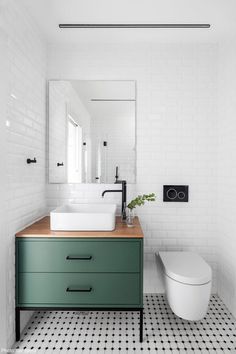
[78, 256]
[81, 289]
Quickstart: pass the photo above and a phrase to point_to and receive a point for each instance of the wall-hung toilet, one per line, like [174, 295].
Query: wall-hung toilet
[187, 279]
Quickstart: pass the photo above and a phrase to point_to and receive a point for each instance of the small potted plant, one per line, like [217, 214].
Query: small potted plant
[138, 201]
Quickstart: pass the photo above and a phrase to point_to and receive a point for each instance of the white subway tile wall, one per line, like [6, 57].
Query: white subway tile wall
[3, 226]
[63, 101]
[176, 135]
[227, 176]
[119, 133]
[26, 135]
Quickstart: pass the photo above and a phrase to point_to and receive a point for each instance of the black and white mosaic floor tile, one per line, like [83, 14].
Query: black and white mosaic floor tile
[118, 332]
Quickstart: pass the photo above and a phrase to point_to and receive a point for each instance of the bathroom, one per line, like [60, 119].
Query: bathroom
[184, 92]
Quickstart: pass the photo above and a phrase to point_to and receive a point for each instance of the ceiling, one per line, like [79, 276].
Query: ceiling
[108, 90]
[104, 89]
[221, 14]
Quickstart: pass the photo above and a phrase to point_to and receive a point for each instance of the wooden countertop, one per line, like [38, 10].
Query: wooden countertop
[41, 228]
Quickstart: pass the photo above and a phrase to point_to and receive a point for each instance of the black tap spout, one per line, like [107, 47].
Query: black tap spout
[111, 191]
[123, 191]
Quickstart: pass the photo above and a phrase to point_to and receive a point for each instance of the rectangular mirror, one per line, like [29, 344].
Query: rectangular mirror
[92, 131]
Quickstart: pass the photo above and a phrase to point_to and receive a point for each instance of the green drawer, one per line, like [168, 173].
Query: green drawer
[58, 289]
[69, 255]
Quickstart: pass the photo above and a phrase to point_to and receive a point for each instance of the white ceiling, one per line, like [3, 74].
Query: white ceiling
[99, 89]
[221, 14]
[88, 90]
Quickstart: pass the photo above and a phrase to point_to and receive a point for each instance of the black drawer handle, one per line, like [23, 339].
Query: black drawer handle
[87, 289]
[82, 258]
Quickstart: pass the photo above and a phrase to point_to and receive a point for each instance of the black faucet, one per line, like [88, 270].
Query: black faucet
[123, 191]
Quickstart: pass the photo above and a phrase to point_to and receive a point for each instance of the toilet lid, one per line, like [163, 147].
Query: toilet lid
[186, 267]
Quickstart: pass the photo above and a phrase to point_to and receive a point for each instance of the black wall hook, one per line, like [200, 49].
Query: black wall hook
[60, 164]
[31, 161]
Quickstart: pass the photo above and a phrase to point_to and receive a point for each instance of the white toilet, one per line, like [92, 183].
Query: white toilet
[187, 279]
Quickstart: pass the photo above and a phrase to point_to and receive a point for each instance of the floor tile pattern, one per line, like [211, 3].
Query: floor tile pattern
[118, 332]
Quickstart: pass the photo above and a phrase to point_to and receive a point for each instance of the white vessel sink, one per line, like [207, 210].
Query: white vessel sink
[83, 217]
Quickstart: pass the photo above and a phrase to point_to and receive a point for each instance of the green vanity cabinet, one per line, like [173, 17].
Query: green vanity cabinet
[79, 273]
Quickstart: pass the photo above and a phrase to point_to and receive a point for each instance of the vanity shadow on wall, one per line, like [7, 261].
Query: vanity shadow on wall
[91, 131]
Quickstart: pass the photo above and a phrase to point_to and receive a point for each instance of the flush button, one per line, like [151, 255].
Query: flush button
[181, 195]
[171, 193]
[175, 193]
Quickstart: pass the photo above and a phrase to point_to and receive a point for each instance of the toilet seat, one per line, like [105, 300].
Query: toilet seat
[186, 267]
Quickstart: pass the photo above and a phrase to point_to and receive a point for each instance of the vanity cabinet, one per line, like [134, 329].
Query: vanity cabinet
[79, 270]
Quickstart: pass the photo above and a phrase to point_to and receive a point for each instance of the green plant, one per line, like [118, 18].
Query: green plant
[141, 199]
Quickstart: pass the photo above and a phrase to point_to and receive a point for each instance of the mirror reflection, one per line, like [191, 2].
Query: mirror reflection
[92, 131]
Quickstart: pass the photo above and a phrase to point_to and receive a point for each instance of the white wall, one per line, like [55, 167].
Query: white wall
[176, 135]
[118, 130]
[227, 175]
[3, 226]
[25, 137]
[64, 100]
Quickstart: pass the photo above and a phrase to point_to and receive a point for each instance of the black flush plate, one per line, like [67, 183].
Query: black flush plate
[173, 193]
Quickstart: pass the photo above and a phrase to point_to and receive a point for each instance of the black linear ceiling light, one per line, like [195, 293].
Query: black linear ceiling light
[112, 100]
[135, 25]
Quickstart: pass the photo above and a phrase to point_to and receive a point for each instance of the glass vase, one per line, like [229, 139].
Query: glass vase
[130, 217]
